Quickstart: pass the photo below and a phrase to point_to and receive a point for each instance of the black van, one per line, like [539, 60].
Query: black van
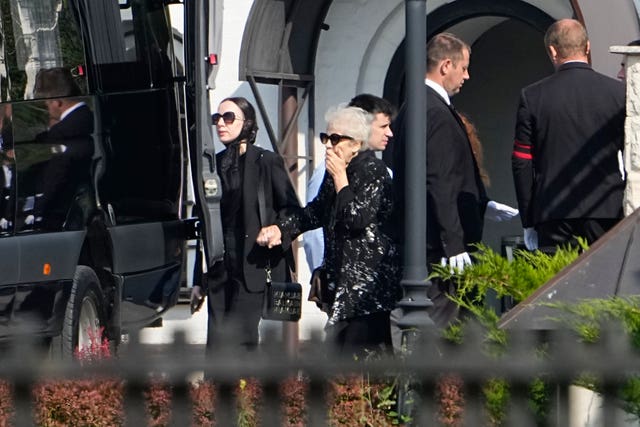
[94, 154]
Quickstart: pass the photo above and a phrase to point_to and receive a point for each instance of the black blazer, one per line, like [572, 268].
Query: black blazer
[569, 129]
[69, 169]
[280, 197]
[456, 197]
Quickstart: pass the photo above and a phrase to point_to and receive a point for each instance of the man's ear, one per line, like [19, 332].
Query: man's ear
[588, 48]
[445, 66]
[553, 53]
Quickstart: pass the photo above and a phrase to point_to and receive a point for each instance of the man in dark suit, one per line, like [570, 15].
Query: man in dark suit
[456, 197]
[69, 147]
[569, 132]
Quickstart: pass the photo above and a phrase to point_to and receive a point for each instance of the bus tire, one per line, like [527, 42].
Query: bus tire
[84, 314]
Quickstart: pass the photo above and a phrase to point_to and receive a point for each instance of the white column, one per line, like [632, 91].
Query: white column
[631, 199]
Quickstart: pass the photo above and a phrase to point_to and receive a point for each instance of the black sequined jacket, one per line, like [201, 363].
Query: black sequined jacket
[361, 254]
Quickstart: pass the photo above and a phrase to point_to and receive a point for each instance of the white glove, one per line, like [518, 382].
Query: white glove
[531, 238]
[457, 262]
[4, 224]
[29, 220]
[499, 212]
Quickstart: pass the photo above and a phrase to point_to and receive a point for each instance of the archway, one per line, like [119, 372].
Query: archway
[507, 54]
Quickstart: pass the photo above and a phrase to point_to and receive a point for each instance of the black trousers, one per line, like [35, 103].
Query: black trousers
[361, 334]
[561, 232]
[234, 315]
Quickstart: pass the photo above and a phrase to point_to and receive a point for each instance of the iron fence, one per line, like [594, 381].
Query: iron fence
[556, 355]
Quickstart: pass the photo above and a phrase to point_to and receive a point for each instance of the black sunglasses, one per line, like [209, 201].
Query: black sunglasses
[334, 138]
[228, 118]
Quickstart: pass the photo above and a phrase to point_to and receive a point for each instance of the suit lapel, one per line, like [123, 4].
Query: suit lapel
[449, 106]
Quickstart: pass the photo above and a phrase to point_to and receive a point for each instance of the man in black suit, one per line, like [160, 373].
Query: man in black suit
[456, 197]
[69, 145]
[569, 132]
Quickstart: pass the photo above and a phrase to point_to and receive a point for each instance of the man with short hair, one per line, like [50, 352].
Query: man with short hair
[383, 113]
[569, 129]
[456, 198]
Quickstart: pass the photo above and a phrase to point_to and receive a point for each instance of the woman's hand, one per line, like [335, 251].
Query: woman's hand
[269, 236]
[337, 167]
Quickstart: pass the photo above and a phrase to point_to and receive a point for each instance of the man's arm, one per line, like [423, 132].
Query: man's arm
[444, 182]
[522, 162]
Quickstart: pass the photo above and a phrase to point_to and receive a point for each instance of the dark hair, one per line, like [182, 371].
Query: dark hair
[443, 46]
[250, 126]
[373, 104]
[55, 83]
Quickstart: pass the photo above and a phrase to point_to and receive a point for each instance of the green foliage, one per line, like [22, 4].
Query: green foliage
[587, 317]
[540, 399]
[496, 393]
[517, 279]
[356, 401]
[630, 395]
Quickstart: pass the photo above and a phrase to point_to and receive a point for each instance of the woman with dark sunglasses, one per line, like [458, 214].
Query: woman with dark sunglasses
[236, 286]
[354, 206]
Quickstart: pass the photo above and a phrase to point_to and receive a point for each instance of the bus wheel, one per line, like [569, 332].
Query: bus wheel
[84, 315]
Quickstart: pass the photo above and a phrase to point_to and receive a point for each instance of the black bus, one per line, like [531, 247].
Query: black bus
[95, 133]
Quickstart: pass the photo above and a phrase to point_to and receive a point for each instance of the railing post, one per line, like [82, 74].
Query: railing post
[414, 282]
[415, 302]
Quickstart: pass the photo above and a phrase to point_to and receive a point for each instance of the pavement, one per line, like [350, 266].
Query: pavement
[179, 318]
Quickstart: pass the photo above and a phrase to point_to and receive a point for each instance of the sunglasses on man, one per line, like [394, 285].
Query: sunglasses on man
[228, 118]
[335, 138]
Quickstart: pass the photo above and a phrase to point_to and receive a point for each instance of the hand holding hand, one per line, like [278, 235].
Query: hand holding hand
[531, 238]
[457, 263]
[269, 236]
[499, 212]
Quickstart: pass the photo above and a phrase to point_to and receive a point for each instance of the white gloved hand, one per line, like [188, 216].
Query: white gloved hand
[4, 224]
[531, 238]
[29, 220]
[457, 262]
[499, 212]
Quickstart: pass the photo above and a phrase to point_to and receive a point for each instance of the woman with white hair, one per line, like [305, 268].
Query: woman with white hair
[354, 206]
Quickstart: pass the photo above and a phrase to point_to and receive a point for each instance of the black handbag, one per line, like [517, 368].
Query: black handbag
[281, 300]
[320, 292]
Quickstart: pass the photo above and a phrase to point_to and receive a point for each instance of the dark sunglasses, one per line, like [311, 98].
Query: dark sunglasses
[228, 118]
[334, 138]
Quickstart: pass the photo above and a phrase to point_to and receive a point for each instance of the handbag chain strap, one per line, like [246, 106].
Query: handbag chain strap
[267, 271]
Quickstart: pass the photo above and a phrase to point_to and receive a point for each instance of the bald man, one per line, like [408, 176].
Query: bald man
[569, 130]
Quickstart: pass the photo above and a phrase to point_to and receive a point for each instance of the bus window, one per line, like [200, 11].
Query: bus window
[53, 141]
[36, 35]
[132, 39]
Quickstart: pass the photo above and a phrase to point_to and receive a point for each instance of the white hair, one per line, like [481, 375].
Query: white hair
[351, 121]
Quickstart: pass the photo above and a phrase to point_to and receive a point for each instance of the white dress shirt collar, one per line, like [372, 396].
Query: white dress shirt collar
[71, 109]
[439, 89]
